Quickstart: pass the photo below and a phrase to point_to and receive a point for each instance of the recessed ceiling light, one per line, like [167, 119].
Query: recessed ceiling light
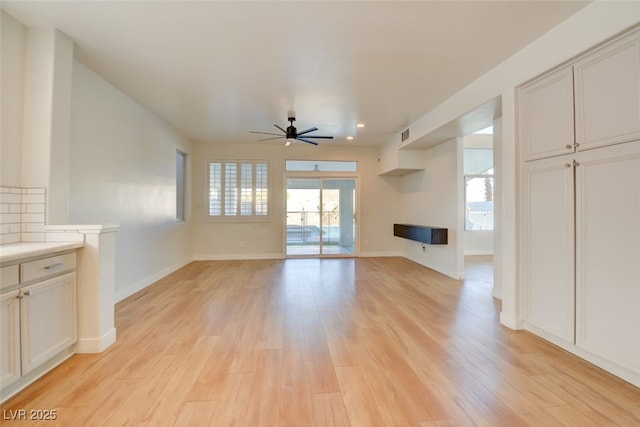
[360, 125]
[349, 138]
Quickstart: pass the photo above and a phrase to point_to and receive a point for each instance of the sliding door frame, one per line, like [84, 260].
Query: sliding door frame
[323, 176]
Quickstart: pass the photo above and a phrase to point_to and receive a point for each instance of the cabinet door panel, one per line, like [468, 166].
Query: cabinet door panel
[48, 315]
[608, 253]
[546, 116]
[607, 88]
[548, 251]
[9, 338]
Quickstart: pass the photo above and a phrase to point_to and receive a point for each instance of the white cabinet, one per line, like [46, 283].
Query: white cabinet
[607, 94]
[580, 208]
[37, 318]
[608, 253]
[592, 102]
[546, 115]
[9, 338]
[548, 256]
[48, 319]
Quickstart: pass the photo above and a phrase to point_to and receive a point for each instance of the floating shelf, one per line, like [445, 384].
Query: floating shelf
[422, 233]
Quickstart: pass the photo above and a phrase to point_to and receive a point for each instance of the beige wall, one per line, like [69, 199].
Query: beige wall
[123, 170]
[433, 197]
[228, 240]
[13, 43]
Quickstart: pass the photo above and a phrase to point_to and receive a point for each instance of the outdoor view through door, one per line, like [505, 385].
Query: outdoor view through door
[321, 216]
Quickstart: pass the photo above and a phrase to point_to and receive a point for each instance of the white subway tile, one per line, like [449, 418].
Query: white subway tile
[32, 237]
[33, 198]
[10, 218]
[63, 237]
[15, 228]
[4, 207]
[15, 208]
[32, 227]
[33, 191]
[10, 198]
[34, 208]
[9, 238]
[5, 228]
[33, 217]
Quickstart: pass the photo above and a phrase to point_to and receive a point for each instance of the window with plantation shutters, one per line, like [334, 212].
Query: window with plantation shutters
[239, 189]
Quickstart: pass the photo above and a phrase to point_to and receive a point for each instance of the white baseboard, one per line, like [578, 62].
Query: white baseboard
[141, 284]
[379, 254]
[510, 321]
[478, 252]
[457, 275]
[238, 257]
[96, 345]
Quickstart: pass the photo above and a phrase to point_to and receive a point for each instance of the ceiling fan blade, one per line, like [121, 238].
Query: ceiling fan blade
[269, 139]
[284, 131]
[321, 137]
[264, 133]
[306, 140]
[307, 131]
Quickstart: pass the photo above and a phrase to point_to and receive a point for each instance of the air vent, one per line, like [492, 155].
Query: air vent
[405, 135]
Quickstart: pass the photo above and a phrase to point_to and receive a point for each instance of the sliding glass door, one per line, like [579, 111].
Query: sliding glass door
[321, 215]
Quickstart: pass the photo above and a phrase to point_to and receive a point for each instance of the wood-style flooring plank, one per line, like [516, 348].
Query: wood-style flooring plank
[324, 342]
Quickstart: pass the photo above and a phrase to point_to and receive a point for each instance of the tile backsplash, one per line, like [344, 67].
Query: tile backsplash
[22, 214]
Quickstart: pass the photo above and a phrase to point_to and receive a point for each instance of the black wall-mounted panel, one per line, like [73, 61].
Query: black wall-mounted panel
[421, 233]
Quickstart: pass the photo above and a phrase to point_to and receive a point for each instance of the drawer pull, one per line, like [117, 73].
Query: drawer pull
[52, 266]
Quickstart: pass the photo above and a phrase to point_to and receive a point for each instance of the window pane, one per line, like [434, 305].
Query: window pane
[320, 166]
[246, 189]
[231, 189]
[215, 189]
[479, 202]
[262, 185]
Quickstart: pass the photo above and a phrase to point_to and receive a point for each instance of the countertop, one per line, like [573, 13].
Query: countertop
[15, 251]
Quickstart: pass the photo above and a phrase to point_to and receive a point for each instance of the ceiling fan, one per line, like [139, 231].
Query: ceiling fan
[291, 134]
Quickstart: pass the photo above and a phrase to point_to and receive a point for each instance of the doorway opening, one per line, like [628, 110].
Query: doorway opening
[320, 217]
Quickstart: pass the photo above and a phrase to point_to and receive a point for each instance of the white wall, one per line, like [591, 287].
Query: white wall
[227, 240]
[123, 170]
[590, 26]
[433, 197]
[13, 42]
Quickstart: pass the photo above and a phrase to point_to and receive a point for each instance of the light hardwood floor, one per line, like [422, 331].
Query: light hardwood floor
[333, 342]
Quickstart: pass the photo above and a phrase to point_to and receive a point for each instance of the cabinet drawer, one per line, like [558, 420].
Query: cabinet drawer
[8, 276]
[47, 267]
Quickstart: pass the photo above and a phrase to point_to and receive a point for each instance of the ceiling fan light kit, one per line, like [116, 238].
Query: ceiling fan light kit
[291, 134]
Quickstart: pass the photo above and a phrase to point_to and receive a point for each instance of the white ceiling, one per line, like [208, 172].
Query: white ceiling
[216, 70]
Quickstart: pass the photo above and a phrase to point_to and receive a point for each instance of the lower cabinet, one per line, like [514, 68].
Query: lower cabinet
[548, 254]
[37, 319]
[47, 320]
[580, 254]
[608, 254]
[9, 338]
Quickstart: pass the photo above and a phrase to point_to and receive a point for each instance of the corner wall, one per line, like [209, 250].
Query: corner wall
[433, 197]
[123, 170]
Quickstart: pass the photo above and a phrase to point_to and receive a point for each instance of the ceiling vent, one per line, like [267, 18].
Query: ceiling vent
[405, 135]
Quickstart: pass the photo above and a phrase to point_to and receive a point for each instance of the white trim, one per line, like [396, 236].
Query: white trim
[457, 275]
[379, 254]
[96, 345]
[238, 257]
[141, 284]
[474, 252]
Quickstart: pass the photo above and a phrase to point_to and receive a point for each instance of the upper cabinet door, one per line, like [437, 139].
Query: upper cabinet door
[546, 116]
[607, 90]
